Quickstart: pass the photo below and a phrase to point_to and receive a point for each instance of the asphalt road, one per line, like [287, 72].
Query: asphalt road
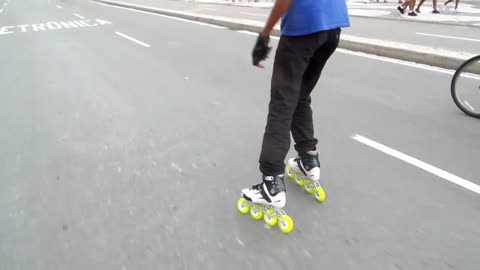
[458, 38]
[127, 137]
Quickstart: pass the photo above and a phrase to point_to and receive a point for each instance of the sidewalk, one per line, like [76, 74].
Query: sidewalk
[245, 18]
[468, 12]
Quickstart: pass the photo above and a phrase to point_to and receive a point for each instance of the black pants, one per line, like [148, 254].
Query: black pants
[298, 63]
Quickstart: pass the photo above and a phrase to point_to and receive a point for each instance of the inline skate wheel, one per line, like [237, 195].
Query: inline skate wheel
[255, 212]
[299, 182]
[285, 224]
[242, 206]
[270, 218]
[290, 172]
[320, 194]
[309, 187]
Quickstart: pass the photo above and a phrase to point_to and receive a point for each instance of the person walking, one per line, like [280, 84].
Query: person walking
[411, 5]
[435, 10]
[449, 1]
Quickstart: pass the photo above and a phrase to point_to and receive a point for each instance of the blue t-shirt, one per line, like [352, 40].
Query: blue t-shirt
[309, 16]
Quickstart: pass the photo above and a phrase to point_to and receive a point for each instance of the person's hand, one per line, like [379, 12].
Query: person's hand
[261, 50]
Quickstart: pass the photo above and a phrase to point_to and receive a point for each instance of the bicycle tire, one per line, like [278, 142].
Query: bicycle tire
[453, 88]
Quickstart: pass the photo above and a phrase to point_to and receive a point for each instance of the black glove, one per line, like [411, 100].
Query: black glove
[261, 49]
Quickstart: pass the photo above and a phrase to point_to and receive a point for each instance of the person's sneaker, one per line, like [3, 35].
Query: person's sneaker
[435, 11]
[412, 13]
[417, 10]
[401, 10]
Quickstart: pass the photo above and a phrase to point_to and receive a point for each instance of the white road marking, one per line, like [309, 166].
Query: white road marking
[240, 242]
[200, 9]
[449, 37]
[76, 15]
[102, 22]
[418, 163]
[132, 39]
[247, 32]
[51, 26]
[190, 21]
[4, 30]
[255, 34]
[1, 10]
[59, 7]
[164, 16]
[254, 14]
[396, 61]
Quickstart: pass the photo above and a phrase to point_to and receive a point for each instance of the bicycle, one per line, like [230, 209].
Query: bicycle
[465, 87]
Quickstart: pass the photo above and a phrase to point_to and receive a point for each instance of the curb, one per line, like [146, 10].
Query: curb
[403, 51]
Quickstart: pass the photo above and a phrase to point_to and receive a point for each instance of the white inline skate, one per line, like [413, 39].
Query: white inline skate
[305, 171]
[267, 199]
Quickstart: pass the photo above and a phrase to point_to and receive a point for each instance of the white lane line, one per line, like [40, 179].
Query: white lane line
[396, 61]
[255, 34]
[164, 16]
[449, 37]
[199, 9]
[59, 7]
[409, 64]
[132, 39]
[1, 10]
[190, 21]
[76, 15]
[254, 14]
[418, 163]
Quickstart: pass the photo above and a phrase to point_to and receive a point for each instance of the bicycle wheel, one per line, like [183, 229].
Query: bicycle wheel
[465, 87]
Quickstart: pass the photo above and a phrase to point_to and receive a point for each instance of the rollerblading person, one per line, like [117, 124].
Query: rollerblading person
[310, 33]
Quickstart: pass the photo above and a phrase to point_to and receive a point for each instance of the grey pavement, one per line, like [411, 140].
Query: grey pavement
[117, 155]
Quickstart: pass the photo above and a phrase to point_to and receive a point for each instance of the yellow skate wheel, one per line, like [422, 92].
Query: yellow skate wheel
[300, 181]
[290, 172]
[320, 194]
[242, 206]
[270, 218]
[309, 187]
[285, 224]
[256, 212]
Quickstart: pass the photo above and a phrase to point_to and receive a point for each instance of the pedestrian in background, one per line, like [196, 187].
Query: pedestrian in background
[435, 10]
[411, 5]
[456, 4]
